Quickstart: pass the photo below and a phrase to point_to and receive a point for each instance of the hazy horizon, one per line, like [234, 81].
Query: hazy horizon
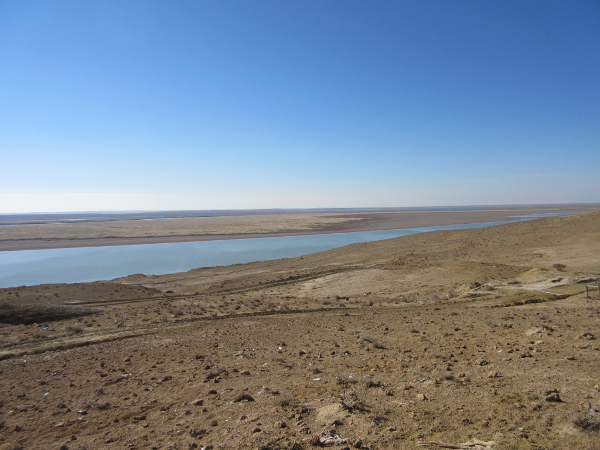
[366, 208]
[141, 105]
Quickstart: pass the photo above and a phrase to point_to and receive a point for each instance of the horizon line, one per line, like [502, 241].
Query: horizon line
[299, 209]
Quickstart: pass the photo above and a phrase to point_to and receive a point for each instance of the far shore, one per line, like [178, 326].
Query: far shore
[346, 222]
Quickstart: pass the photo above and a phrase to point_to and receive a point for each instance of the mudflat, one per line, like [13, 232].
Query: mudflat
[479, 339]
[26, 232]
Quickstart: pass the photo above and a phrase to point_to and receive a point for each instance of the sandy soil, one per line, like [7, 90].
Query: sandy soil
[473, 338]
[25, 234]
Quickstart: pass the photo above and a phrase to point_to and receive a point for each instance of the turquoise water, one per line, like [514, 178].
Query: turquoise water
[73, 265]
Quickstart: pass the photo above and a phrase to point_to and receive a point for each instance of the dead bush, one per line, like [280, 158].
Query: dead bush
[345, 378]
[368, 382]
[368, 339]
[587, 424]
[285, 400]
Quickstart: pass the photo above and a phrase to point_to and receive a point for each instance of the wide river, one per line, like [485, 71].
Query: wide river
[74, 265]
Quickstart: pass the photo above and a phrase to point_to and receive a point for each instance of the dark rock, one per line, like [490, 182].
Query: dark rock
[553, 397]
[243, 398]
[197, 432]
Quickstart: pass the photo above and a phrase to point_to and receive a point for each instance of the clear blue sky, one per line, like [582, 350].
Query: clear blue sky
[138, 105]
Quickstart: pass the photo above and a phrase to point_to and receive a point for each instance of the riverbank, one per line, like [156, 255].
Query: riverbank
[123, 231]
[86, 264]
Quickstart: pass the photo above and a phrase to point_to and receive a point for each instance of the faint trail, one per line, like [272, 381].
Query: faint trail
[289, 280]
[67, 342]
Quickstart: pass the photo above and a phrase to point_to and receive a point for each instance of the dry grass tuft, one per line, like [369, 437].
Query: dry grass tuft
[368, 339]
[345, 378]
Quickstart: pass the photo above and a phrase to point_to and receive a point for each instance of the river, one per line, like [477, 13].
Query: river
[74, 265]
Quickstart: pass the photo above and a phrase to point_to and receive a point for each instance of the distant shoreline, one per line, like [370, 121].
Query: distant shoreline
[369, 221]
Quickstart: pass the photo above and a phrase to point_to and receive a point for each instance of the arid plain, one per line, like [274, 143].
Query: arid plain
[480, 338]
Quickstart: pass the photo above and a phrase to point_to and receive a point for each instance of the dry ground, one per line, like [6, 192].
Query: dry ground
[442, 338]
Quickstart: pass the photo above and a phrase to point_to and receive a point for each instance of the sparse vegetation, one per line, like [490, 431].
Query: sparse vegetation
[588, 424]
[345, 378]
[368, 339]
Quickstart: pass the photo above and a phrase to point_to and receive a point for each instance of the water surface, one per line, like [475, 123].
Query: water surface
[73, 265]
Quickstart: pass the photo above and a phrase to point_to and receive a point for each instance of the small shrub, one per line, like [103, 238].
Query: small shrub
[344, 378]
[368, 382]
[285, 400]
[559, 267]
[587, 424]
[368, 339]
[353, 400]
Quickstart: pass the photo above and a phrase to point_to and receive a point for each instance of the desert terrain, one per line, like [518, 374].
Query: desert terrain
[474, 339]
[41, 231]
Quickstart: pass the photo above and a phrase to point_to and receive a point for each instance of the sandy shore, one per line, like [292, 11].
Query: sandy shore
[131, 232]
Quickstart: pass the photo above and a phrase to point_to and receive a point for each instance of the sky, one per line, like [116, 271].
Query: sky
[182, 105]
